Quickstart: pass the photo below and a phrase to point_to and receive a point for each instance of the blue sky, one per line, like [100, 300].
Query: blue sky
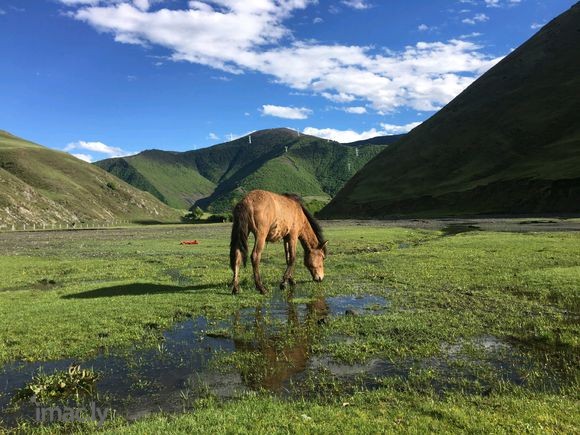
[102, 78]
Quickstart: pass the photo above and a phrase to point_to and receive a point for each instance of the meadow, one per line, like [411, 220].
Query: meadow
[412, 329]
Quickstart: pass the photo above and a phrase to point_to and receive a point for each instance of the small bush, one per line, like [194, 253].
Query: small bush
[72, 383]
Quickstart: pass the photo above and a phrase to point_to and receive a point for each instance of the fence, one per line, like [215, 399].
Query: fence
[63, 226]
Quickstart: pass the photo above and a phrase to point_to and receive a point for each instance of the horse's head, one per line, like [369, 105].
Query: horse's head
[314, 261]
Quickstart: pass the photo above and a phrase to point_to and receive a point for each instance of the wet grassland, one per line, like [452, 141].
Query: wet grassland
[438, 329]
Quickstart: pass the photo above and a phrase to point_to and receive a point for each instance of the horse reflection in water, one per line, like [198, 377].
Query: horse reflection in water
[283, 352]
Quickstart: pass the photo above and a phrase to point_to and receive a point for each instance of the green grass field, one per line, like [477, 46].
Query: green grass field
[481, 328]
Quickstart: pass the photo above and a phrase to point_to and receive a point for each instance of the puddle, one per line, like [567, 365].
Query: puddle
[266, 347]
[458, 228]
[538, 222]
[183, 365]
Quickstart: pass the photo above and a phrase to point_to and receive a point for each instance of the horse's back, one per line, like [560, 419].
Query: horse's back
[271, 212]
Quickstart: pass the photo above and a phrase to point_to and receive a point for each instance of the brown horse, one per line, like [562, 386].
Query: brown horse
[272, 217]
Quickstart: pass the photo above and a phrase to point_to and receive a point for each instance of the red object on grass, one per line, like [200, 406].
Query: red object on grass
[189, 242]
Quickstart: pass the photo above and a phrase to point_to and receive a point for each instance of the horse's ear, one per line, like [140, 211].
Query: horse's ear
[323, 246]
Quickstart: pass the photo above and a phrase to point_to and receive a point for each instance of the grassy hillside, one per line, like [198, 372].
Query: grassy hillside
[510, 143]
[378, 140]
[39, 185]
[214, 178]
[167, 176]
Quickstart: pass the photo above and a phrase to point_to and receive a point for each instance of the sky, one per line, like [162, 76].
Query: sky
[107, 78]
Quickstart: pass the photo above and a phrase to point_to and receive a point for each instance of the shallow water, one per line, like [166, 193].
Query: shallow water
[182, 367]
[197, 357]
[458, 228]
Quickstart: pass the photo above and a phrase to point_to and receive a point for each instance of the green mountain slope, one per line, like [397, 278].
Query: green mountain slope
[378, 140]
[279, 159]
[510, 143]
[166, 175]
[39, 185]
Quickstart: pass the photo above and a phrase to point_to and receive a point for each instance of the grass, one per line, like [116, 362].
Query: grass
[44, 185]
[47, 388]
[179, 184]
[445, 294]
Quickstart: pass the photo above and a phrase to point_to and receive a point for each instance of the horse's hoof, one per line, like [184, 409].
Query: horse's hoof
[235, 290]
[263, 290]
[283, 285]
[292, 281]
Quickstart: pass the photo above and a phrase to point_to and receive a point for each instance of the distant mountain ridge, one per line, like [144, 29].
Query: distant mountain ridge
[40, 185]
[510, 143]
[281, 160]
[377, 140]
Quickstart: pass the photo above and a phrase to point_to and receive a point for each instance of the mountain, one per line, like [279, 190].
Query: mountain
[378, 140]
[40, 185]
[510, 143]
[281, 160]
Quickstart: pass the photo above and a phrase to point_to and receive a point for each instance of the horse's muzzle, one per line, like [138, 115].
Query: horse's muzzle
[318, 278]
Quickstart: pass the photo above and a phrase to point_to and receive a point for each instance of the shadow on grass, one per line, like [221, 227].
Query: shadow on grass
[138, 289]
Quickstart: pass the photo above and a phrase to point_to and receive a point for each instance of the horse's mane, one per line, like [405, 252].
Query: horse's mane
[313, 222]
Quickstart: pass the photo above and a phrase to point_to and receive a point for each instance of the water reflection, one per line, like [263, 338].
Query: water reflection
[284, 351]
[278, 338]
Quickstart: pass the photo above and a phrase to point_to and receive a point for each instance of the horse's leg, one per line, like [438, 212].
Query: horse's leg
[256, 256]
[290, 250]
[287, 256]
[236, 270]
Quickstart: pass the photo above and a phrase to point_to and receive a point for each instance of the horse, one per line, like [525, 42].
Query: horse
[271, 217]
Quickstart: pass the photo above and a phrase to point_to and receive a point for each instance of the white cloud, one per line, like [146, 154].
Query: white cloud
[471, 35]
[357, 110]
[213, 136]
[423, 27]
[286, 112]
[424, 76]
[536, 26]
[339, 97]
[501, 3]
[356, 4]
[2, 12]
[86, 157]
[318, 20]
[98, 147]
[399, 129]
[345, 136]
[142, 4]
[477, 18]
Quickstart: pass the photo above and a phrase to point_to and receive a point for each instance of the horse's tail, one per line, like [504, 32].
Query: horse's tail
[240, 233]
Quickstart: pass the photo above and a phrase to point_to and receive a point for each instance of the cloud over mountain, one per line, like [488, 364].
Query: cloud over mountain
[286, 112]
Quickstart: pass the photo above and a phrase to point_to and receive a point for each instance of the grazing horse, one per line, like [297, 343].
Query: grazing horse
[272, 217]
